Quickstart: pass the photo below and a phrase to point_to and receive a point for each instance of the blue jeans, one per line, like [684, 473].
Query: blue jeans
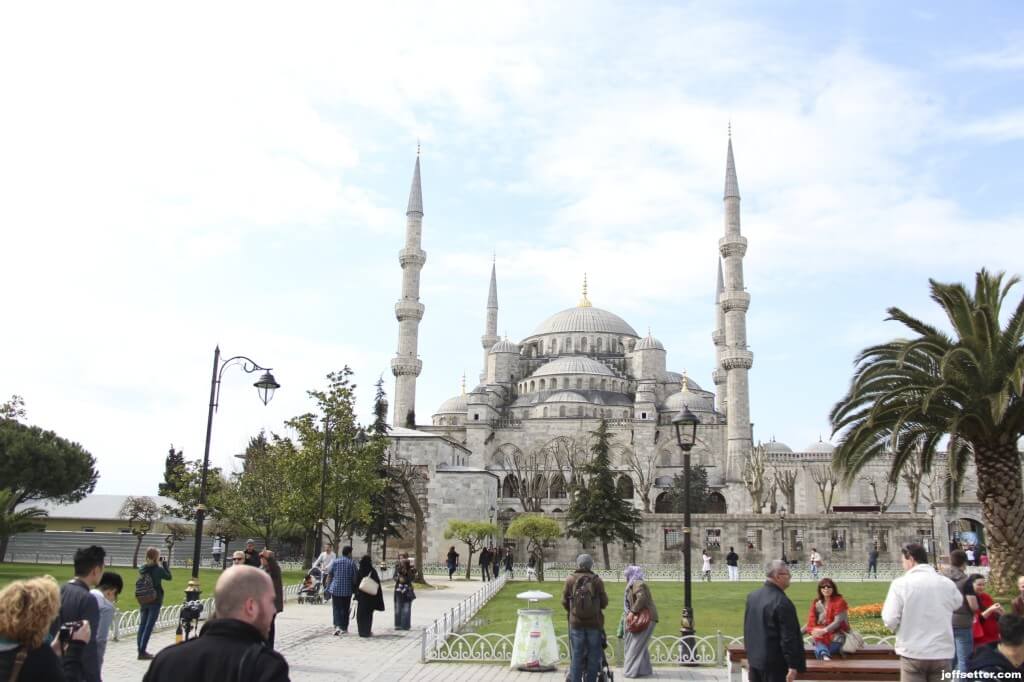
[403, 613]
[586, 646]
[821, 650]
[342, 607]
[963, 640]
[147, 619]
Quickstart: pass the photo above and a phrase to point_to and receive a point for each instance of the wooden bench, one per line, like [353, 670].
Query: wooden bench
[864, 661]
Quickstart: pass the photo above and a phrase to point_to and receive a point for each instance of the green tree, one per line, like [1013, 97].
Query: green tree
[38, 465]
[597, 512]
[965, 390]
[537, 530]
[174, 471]
[699, 491]
[184, 485]
[13, 408]
[141, 513]
[258, 498]
[25, 520]
[473, 533]
[389, 504]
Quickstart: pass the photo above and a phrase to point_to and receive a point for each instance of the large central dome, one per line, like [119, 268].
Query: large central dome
[585, 319]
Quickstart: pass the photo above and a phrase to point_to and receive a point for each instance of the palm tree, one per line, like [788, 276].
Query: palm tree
[909, 395]
[13, 522]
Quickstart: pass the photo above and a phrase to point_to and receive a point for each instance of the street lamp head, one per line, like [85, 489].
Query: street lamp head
[685, 424]
[782, 512]
[265, 386]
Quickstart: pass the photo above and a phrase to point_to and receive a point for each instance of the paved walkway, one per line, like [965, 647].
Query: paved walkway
[304, 636]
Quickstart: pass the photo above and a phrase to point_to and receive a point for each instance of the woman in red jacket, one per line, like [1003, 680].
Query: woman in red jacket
[827, 621]
[986, 618]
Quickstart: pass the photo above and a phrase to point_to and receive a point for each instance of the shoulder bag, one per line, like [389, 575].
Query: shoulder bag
[853, 642]
[369, 586]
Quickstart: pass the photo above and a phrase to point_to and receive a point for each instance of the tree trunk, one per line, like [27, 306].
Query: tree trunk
[469, 564]
[604, 551]
[135, 556]
[3, 547]
[417, 512]
[309, 548]
[1001, 492]
[540, 564]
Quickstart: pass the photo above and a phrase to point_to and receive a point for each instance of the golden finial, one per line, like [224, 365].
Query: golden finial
[684, 382]
[463, 382]
[584, 302]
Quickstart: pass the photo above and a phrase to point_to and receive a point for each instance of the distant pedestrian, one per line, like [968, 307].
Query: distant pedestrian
[706, 566]
[217, 550]
[452, 560]
[1018, 602]
[404, 592]
[508, 563]
[963, 615]
[252, 555]
[27, 608]
[76, 603]
[815, 561]
[485, 564]
[496, 560]
[232, 645]
[531, 567]
[873, 560]
[341, 580]
[157, 572]
[970, 555]
[585, 599]
[268, 562]
[641, 617]
[106, 594]
[325, 559]
[732, 563]
[919, 609]
[367, 603]
[828, 621]
[771, 631]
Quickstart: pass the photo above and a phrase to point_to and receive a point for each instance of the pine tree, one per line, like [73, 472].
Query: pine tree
[388, 506]
[598, 513]
[174, 468]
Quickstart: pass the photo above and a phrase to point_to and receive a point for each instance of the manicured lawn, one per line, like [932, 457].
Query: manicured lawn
[174, 590]
[717, 606]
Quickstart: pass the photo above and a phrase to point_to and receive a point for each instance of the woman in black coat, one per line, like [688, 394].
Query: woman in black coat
[366, 604]
[269, 564]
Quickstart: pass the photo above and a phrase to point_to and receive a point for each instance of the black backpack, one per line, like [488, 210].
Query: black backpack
[145, 590]
[585, 604]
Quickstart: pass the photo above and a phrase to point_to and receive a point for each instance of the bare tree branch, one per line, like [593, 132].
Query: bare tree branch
[827, 481]
[754, 478]
[785, 480]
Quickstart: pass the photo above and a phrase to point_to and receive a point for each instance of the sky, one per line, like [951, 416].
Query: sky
[237, 174]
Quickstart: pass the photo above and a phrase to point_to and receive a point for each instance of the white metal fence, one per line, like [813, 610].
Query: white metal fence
[436, 634]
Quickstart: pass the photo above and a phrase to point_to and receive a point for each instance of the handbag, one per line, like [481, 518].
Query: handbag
[369, 586]
[977, 629]
[638, 622]
[852, 643]
[405, 592]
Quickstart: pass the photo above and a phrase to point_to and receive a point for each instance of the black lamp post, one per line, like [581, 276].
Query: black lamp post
[685, 424]
[782, 518]
[935, 552]
[265, 387]
[318, 540]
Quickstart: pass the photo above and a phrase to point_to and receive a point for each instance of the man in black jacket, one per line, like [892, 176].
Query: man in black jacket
[771, 631]
[77, 603]
[1005, 656]
[231, 646]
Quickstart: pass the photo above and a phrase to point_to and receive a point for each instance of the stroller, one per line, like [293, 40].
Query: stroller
[311, 591]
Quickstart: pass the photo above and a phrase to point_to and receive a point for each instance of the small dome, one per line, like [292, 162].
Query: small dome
[573, 365]
[505, 346]
[776, 446]
[585, 319]
[677, 378]
[649, 343]
[820, 446]
[694, 400]
[457, 405]
[567, 397]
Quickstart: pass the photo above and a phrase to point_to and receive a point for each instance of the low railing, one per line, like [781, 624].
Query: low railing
[708, 650]
[437, 633]
[127, 622]
[67, 558]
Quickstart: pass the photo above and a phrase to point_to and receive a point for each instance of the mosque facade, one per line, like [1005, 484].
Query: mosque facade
[514, 442]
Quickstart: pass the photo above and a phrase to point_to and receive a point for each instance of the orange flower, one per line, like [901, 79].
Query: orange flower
[866, 611]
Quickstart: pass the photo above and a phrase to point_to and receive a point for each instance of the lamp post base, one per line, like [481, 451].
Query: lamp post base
[188, 617]
[687, 639]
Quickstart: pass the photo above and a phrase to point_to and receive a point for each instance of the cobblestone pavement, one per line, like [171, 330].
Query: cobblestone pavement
[304, 636]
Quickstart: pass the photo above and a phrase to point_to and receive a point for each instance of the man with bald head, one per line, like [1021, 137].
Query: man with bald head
[232, 644]
[771, 630]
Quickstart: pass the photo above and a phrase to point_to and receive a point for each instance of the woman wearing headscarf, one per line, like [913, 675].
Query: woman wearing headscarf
[367, 603]
[404, 592]
[641, 616]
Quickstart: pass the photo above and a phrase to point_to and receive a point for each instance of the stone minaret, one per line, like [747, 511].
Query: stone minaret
[406, 364]
[718, 337]
[490, 336]
[734, 302]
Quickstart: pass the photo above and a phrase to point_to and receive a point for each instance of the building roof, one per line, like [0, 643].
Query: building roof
[649, 343]
[457, 405]
[93, 506]
[573, 364]
[505, 346]
[585, 319]
[776, 446]
[573, 397]
[820, 446]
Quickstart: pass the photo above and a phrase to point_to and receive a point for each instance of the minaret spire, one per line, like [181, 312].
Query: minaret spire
[406, 365]
[490, 336]
[734, 301]
[718, 337]
[584, 302]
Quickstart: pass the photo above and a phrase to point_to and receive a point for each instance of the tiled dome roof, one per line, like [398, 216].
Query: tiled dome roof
[457, 405]
[585, 319]
[573, 365]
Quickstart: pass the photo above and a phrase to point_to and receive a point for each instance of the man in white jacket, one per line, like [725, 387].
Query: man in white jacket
[919, 609]
[326, 558]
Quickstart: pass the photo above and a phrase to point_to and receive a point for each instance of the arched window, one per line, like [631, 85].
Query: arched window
[716, 504]
[603, 383]
[624, 487]
[561, 410]
[540, 487]
[599, 344]
[544, 413]
[568, 345]
[583, 344]
[565, 382]
[552, 346]
[532, 384]
[542, 384]
[510, 488]
[663, 504]
[557, 489]
[579, 382]
[579, 410]
[593, 383]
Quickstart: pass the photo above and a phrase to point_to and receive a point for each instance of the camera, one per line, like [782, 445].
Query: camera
[68, 629]
[191, 610]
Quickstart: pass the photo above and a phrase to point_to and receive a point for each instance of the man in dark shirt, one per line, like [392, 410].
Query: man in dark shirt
[77, 603]
[732, 562]
[252, 556]
[485, 563]
[771, 631]
[873, 560]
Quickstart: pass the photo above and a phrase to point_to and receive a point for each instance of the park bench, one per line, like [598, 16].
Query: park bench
[855, 669]
[868, 654]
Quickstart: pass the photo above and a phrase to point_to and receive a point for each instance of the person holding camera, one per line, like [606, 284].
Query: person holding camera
[78, 604]
[28, 653]
[157, 572]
